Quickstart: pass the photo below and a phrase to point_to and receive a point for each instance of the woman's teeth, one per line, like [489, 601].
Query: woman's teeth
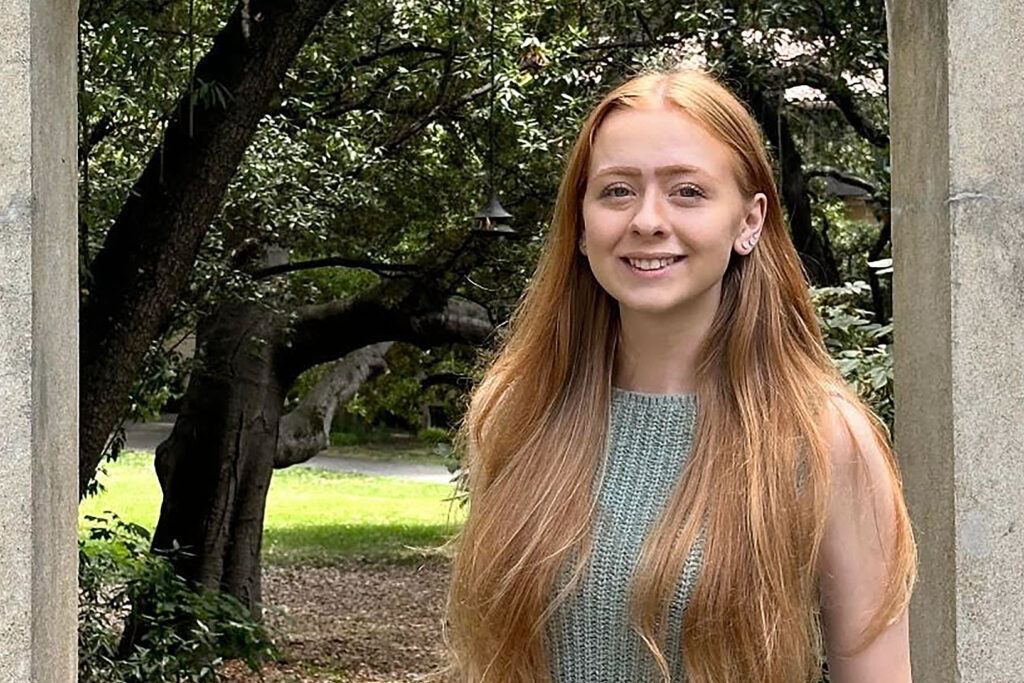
[652, 264]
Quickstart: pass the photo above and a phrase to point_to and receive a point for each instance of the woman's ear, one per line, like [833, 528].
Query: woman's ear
[753, 221]
[583, 244]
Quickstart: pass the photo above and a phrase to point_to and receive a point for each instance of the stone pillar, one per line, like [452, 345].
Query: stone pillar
[957, 104]
[38, 342]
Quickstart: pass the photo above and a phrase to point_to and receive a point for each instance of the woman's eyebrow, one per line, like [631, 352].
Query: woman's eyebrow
[674, 169]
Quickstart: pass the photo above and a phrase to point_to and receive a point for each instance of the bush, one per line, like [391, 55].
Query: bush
[346, 438]
[433, 435]
[184, 633]
[860, 347]
[358, 434]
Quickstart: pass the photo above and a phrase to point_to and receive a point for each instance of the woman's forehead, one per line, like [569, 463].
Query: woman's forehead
[656, 141]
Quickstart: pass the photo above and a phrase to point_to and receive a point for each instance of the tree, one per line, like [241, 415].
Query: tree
[216, 466]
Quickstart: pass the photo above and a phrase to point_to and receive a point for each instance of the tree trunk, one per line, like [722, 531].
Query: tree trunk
[814, 252]
[216, 466]
[880, 303]
[145, 261]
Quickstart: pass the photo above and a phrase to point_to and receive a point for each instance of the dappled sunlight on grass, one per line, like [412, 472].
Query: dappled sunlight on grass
[312, 516]
[133, 492]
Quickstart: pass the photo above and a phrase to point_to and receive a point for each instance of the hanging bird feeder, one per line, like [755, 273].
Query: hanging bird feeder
[492, 219]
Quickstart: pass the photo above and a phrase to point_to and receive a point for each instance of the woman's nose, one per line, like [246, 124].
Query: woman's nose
[648, 219]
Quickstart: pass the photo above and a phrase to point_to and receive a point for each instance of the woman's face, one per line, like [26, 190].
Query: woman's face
[663, 211]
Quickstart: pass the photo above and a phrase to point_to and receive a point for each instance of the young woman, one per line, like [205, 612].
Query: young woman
[668, 478]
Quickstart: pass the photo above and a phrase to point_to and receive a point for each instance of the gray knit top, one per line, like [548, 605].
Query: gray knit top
[590, 637]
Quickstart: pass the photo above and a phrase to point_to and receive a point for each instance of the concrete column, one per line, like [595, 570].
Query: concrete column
[38, 342]
[957, 101]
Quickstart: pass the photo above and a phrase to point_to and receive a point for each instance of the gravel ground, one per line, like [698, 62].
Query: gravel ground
[354, 622]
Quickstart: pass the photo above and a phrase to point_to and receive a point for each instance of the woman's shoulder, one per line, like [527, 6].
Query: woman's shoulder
[851, 430]
[864, 474]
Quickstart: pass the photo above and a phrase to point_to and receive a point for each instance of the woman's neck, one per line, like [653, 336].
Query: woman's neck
[657, 354]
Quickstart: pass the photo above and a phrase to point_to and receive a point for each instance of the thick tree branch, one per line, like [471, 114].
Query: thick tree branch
[389, 312]
[305, 431]
[335, 261]
[839, 92]
[360, 330]
[835, 174]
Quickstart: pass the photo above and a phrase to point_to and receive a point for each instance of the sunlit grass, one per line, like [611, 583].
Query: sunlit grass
[312, 516]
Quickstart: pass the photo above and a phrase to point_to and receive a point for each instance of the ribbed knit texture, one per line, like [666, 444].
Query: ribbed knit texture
[590, 637]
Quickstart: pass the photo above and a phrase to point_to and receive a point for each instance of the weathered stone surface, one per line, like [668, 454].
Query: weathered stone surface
[38, 342]
[957, 103]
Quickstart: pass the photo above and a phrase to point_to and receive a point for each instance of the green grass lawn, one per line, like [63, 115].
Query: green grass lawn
[312, 516]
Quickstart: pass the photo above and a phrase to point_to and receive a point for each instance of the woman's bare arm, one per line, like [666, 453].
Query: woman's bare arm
[858, 539]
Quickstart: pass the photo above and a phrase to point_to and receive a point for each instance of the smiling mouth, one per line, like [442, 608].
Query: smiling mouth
[651, 265]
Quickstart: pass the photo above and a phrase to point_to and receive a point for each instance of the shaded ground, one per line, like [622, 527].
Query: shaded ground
[355, 622]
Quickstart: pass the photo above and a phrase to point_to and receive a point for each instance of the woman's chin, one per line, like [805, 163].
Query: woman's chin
[649, 306]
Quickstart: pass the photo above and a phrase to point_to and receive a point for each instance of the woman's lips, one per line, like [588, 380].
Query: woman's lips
[652, 273]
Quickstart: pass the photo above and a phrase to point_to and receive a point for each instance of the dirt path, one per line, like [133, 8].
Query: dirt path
[356, 622]
[146, 436]
[436, 474]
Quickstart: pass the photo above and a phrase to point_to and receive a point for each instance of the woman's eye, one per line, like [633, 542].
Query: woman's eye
[689, 191]
[610, 191]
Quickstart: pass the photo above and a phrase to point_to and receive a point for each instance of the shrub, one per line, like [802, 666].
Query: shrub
[433, 435]
[860, 346]
[346, 438]
[184, 633]
[358, 434]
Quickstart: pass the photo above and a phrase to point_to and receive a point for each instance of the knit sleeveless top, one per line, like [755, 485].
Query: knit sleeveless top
[590, 638]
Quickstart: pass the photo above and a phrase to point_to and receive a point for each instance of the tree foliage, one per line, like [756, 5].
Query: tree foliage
[376, 146]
